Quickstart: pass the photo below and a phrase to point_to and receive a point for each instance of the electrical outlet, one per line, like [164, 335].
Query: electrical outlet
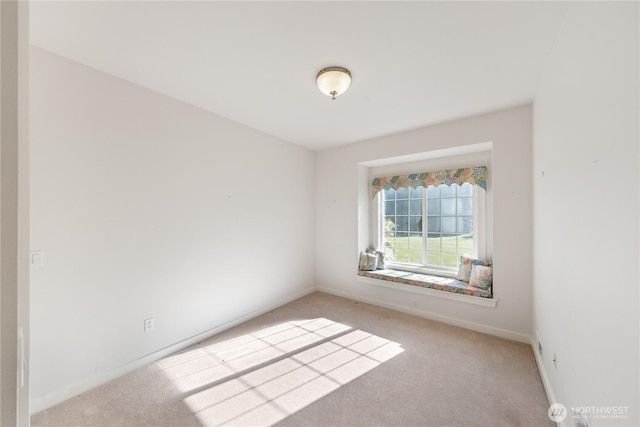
[540, 348]
[555, 361]
[414, 302]
[37, 258]
[149, 324]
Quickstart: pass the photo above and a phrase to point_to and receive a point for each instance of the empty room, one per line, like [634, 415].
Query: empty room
[320, 213]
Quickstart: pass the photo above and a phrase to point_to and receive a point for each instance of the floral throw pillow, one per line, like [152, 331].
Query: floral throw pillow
[481, 277]
[380, 255]
[466, 264]
[368, 262]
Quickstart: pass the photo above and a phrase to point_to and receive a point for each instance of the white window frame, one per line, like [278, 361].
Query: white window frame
[479, 229]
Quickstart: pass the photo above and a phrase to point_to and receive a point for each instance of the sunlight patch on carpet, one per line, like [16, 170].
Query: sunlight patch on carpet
[263, 377]
[201, 367]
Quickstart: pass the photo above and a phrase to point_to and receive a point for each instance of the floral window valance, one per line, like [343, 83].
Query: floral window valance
[476, 175]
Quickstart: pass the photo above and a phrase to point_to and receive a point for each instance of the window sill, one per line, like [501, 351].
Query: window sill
[440, 287]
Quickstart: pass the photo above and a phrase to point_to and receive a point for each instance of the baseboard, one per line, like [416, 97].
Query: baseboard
[551, 397]
[41, 403]
[490, 330]
[502, 333]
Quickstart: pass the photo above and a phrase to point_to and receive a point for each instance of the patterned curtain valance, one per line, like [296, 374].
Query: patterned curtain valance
[476, 175]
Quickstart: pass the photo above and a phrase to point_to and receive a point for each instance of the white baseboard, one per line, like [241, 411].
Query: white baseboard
[551, 397]
[43, 402]
[40, 403]
[490, 330]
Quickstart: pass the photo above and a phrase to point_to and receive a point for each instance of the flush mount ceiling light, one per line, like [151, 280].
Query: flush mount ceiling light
[333, 81]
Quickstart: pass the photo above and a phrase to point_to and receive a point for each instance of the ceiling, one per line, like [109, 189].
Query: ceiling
[413, 63]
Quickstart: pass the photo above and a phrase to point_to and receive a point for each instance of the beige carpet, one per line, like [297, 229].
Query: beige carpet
[324, 361]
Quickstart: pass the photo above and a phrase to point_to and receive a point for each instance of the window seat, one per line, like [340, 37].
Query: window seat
[427, 281]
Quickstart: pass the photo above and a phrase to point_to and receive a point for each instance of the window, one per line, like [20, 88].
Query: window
[429, 228]
[424, 222]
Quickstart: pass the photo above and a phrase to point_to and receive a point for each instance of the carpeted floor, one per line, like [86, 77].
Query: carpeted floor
[324, 361]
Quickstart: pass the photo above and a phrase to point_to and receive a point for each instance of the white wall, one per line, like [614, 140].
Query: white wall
[341, 210]
[148, 207]
[586, 211]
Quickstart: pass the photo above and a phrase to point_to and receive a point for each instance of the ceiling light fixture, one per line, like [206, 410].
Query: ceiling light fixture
[333, 81]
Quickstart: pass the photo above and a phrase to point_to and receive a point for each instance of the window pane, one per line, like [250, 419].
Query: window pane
[449, 224]
[433, 224]
[465, 224]
[433, 206]
[415, 257]
[402, 225]
[389, 226]
[449, 243]
[402, 251]
[465, 206]
[448, 206]
[402, 207]
[389, 207]
[390, 194]
[402, 193]
[415, 207]
[415, 249]
[433, 257]
[449, 259]
[434, 242]
[433, 192]
[448, 190]
[465, 189]
[465, 245]
[402, 255]
[415, 241]
[397, 249]
[415, 193]
[415, 223]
